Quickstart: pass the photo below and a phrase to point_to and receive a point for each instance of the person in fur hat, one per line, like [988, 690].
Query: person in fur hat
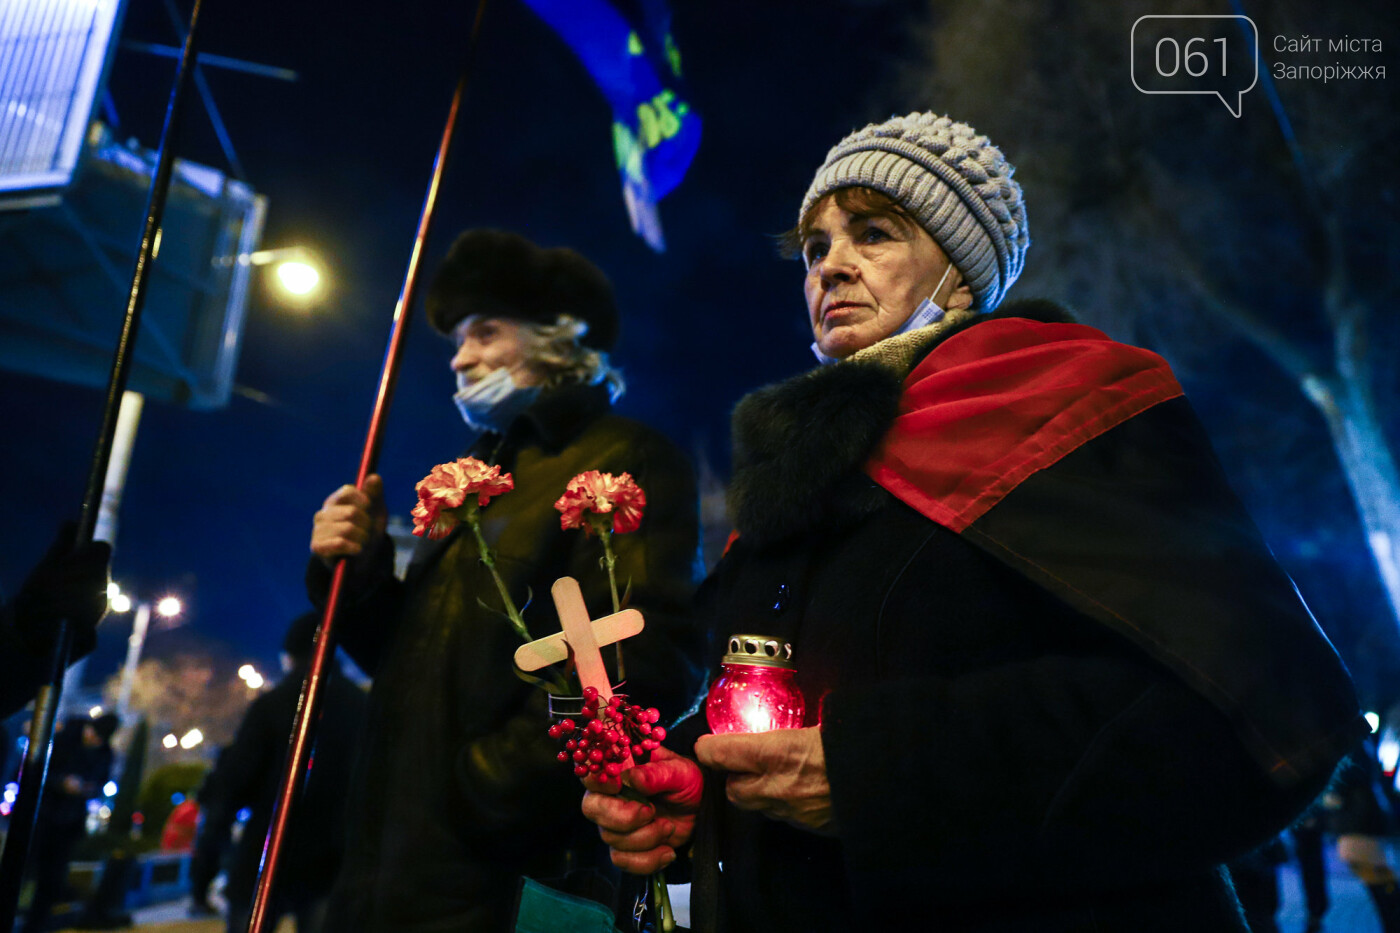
[1054, 677]
[458, 793]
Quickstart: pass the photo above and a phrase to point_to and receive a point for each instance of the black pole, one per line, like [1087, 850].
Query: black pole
[36, 760]
[309, 704]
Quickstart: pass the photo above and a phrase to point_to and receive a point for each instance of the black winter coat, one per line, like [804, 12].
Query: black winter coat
[249, 772]
[458, 791]
[1002, 756]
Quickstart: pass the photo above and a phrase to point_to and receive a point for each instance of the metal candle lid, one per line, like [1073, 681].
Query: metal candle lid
[763, 650]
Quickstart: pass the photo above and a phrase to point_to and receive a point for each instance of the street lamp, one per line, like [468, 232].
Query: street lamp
[168, 607]
[250, 676]
[296, 269]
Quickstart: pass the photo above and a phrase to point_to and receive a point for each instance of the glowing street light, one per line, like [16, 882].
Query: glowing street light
[249, 675]
[299, 278]
[297, 270]
[121, 603]
[191, 739]
[170, 741]
[168, 607]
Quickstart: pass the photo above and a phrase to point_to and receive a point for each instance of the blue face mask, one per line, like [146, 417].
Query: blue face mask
[928, 312]
[494, 401]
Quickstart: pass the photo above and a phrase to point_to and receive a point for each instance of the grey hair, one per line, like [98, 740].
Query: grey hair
[555, 352]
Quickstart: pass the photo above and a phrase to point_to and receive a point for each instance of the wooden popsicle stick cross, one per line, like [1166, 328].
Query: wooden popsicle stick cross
[582, 635]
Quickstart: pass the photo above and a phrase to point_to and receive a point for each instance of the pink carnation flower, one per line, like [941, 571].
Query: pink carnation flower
[443, 492]
[602, 494]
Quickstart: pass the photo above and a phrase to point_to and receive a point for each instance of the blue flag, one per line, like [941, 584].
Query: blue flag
[626, 46]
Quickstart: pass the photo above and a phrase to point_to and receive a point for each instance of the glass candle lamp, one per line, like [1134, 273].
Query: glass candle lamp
[756, 690]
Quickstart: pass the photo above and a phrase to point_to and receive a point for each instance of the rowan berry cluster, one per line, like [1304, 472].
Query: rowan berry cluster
[606, 733]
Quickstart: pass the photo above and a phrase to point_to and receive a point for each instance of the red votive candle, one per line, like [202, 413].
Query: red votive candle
[756, 690]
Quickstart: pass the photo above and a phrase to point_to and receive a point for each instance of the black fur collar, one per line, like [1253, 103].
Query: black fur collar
[799, 444]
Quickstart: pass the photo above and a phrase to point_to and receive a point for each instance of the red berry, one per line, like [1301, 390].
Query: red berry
[613, 768]
[649, 744]
[615, 700]
[637, 751]
[644, 728]
[580, 770]
[554, 731]
[567, 725]
[571, 744]
[610, 736]
[580, 755]
[595, 767]
[588, 713]
[658, 733]
[563, 756]
[594, 726]
[590, 692]
[595, 754]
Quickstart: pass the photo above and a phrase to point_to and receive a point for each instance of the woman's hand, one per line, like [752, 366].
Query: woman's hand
[645, 834]
[781, 774]
[350, 523]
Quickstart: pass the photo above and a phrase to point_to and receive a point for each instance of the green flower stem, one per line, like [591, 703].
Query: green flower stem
[602, 524]
[662, 899]
[473, 518]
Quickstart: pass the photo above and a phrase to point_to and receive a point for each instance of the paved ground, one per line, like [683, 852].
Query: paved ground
[1351, 910]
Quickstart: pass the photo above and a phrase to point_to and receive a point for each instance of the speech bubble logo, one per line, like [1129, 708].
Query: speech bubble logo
[1185, 55]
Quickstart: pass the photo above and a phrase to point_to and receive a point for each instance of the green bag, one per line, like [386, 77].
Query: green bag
[545, 910]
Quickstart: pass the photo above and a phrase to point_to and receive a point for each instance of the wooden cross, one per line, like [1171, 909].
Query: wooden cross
[582, 635]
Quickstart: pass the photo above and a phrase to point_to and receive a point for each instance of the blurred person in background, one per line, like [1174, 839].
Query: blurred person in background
[248, 774]
[80, 765]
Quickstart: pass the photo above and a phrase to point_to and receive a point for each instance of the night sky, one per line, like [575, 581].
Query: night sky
[218, 505]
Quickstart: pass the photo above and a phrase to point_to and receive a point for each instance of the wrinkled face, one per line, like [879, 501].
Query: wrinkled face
[866, 274]
[487, 343]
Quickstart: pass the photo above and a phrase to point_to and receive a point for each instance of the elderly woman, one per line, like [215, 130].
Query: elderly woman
[1053, 676]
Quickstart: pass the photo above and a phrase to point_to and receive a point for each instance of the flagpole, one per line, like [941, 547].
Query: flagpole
[39, 751]
[309, 704]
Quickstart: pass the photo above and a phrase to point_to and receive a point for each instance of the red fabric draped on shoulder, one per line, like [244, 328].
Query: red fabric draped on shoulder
[990, 406]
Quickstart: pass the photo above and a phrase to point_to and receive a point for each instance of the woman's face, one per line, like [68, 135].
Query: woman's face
[867, 274]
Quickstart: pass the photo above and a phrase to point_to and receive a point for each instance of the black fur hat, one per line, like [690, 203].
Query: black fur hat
[501, 273]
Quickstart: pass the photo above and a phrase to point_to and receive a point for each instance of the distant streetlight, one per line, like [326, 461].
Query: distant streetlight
[249, 675]
[168, 607]
[94, 712]
[191, 739]
[170, 741]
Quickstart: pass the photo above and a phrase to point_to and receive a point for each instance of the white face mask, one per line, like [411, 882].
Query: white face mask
[925, 314]
[493, 401]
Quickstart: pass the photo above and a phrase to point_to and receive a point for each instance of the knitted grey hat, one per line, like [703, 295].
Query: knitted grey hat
[956, 184]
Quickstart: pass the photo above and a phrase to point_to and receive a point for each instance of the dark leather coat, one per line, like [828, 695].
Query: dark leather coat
[458, 791]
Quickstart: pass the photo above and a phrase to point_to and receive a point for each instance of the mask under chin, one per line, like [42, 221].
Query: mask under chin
[493, 401]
